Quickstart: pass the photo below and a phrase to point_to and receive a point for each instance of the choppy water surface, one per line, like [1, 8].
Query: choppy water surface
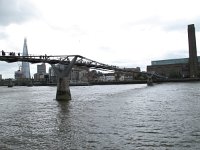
[164, 116]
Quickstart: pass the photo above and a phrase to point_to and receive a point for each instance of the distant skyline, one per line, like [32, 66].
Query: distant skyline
[125, 33]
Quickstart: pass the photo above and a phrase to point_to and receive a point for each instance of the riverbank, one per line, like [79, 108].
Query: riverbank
[179, 80]
[105, 83]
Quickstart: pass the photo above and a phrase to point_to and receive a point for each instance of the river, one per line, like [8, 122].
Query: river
[136, 116]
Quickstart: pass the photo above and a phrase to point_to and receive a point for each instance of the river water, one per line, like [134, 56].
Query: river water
[164, 116]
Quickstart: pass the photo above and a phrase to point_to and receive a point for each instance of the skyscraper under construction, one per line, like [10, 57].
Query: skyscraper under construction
[25, 65]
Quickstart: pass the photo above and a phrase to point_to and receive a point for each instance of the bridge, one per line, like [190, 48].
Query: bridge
[66, 63]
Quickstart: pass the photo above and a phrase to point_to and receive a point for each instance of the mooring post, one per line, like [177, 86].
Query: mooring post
[63, 80]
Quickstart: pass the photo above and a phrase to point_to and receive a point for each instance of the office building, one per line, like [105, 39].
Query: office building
[41, 74]
[41, 69]
[77, 74]
[18, 74]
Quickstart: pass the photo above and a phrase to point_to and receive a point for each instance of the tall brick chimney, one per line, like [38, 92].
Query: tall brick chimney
[193, 60]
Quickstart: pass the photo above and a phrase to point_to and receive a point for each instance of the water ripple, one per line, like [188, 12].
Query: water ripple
[165, 116]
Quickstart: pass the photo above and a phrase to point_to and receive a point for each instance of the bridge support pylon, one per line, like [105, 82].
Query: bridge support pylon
[63, 71]
[63, 90]
[149, 81]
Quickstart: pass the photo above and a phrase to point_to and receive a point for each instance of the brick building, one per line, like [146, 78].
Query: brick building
[183, 67]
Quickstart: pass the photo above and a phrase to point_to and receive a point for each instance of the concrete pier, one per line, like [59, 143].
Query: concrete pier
[149, 81]
[63, 79]
[63, 90]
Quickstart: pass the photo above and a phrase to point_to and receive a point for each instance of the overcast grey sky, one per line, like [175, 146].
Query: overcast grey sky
[126, 33]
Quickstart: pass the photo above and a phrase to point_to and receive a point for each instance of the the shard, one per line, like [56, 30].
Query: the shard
[25, 65]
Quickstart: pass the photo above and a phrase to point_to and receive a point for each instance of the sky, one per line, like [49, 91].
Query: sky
[125, 33]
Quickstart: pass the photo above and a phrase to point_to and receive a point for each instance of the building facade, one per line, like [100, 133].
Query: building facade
[41, 68]
[77, 75]
[41, 74]
[171, 70]
[183, 67]
[18, 74]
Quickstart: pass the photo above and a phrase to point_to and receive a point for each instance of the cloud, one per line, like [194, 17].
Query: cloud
[75, 30]
[16, 11]
[157, 22]
[179, 25]
[105, 49]
[3, 35]
[176, 54]
[8, 69]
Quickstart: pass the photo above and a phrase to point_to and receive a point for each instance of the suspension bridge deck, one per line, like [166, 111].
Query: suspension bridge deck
[66, 59]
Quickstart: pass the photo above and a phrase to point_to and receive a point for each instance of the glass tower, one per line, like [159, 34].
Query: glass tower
[25, 65]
